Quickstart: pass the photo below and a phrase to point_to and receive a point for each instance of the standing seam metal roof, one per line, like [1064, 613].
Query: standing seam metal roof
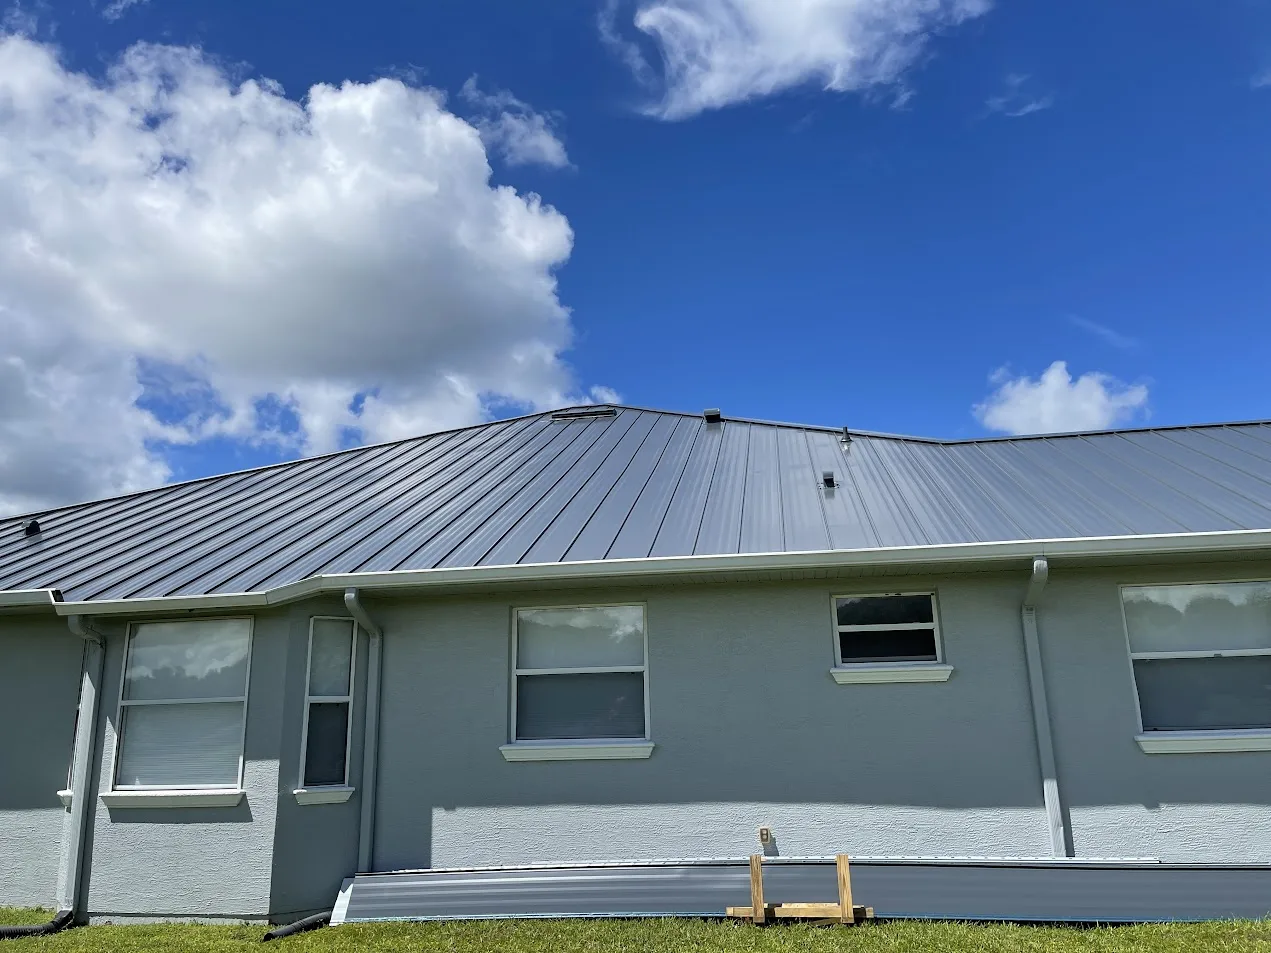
[636, 483]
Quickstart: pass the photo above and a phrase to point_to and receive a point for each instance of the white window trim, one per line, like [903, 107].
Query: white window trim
[335, 793]
[323, 794]
[577, 749]
[887, 672]
[185, 795]
[1178, 741]
[176, 797]
[872, 673]
[1209, 740]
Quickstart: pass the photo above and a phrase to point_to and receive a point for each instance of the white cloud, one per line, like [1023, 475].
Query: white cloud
[1055, 403]
[184, 257]
[514, 130]
[719, 52]
[1104, 333]
[117, 8]
[1015, 100]
[1261, 80]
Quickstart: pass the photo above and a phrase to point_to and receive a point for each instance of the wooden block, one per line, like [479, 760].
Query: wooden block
[816, 911]
[757, 909]
[846, 912]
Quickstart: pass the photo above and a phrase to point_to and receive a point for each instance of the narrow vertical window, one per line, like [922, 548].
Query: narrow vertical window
[328, 703]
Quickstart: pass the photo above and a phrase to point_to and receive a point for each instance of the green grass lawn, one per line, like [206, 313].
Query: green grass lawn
[653, 936]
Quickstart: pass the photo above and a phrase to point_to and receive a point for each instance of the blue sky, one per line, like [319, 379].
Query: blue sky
[788, 220]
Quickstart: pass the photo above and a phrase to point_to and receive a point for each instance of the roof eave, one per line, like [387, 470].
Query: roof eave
[626, 571]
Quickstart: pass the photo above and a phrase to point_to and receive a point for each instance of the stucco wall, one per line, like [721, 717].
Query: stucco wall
[315, 845]
[749, 729]
[39, 691]
[1122, 802]
[203, 861]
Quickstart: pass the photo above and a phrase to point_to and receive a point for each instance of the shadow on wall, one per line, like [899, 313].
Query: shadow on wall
[39, 695]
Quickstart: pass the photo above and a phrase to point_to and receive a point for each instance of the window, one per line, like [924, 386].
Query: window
[899, 628]
[324, 758]
[887, 638]
[183, 705]
[580, 675]
[1201, 655]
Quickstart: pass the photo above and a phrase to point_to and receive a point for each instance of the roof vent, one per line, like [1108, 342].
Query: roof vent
[713, 415]
[584, 413]
[827, 479]
[30, 527]
[847, 435]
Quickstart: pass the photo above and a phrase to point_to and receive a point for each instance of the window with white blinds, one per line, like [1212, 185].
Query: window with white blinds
[183, 705]
[580, 674]
[324, 757]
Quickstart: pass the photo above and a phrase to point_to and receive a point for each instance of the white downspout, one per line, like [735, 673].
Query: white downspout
[371, 734]
[1041, 711]
[70, 876]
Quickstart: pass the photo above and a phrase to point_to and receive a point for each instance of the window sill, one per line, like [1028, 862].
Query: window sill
[326, 794]
[66, 796]
[144, 799]
[867, 673]
[1178, 742]
[576, 750]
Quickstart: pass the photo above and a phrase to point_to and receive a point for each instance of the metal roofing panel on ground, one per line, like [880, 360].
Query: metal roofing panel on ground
[943, 889]
[632, 483]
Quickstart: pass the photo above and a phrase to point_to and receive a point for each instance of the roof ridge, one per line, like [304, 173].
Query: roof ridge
[872, 434]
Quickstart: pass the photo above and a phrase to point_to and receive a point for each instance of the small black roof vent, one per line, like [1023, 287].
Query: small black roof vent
[30, 527]
[584, 413]
[713, 415]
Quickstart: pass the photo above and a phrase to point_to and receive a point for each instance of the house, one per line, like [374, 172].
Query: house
[610, 633]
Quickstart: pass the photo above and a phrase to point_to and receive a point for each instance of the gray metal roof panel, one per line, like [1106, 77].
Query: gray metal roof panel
[635, 484]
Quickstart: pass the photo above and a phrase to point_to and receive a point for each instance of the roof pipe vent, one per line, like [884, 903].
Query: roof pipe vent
[713, 415]
[847, 435]
[30, 527]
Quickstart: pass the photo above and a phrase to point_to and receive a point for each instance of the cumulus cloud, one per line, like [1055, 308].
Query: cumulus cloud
[513, 129]
[1055, 403]
[183, 256]
[1016, 98]
[719, 52]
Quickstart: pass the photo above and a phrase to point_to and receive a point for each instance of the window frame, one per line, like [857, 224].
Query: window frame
[934, 625]
[336, 699]
[121, 731]
[1167, 740]
[517, 673]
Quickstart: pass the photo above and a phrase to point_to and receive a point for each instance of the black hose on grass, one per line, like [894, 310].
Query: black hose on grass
[300, 926]
[64, 919]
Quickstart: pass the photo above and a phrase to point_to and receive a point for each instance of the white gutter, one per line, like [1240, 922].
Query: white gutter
[28, 598]
[1041, 711]
[628, 570]
[70, 872]
[371, 732]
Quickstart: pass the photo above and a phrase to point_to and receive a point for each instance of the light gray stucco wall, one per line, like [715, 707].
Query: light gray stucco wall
[750, 729]
[1204, 807]
[315, 845]
[39, 691]
[200, 862]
